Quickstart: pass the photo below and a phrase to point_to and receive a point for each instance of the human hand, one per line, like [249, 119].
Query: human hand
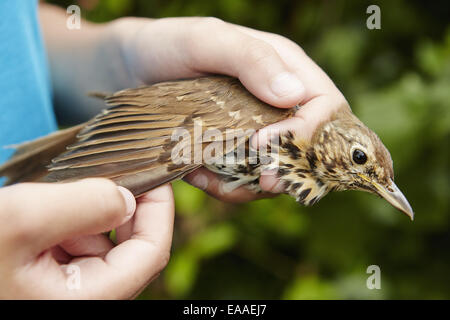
[273, 68]
[48, 229]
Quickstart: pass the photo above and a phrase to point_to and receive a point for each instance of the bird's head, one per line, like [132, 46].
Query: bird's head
[343, 154]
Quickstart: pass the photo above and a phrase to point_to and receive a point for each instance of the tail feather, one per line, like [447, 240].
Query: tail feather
[31, 158]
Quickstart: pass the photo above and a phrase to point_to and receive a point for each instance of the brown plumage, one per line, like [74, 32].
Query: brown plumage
[134, 142]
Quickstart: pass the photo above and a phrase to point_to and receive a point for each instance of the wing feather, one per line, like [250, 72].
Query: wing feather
[131, 141]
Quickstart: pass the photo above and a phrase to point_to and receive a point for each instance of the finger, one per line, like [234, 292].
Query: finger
[256, 63]
[270, 182]
[322, 98]
[212, 184]
[129, 266]
[90, 245]
[315, 80]
[44, 215]
[60, 255]
[303, 124]
[124, 231]
[210, 45]
[146, 253]
[306, 120]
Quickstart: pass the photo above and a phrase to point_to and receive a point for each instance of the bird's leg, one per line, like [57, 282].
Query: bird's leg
[235, 182]
[234, 177]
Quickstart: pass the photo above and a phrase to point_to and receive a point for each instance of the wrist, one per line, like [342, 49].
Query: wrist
[122, 34]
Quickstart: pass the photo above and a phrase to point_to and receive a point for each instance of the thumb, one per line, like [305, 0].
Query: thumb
[44, 215]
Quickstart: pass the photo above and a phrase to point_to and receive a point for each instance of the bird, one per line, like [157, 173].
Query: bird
[155, 134]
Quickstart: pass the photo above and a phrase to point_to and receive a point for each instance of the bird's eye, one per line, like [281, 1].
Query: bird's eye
[359, 156]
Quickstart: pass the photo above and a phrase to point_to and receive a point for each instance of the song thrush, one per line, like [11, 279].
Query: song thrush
[132, 142]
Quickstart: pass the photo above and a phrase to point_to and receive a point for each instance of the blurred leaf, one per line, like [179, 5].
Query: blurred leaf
[188, 199]
[310, 288]
[181, 273]
[212, 241]
[354, 286]
[341, 50]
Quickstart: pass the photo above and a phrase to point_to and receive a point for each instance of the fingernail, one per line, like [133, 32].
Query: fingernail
[269, 182]
[280, 187]
[130, 201]
[286, 84]
[200, 181]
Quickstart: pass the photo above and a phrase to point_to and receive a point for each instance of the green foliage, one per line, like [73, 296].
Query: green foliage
[310, 287]
[397, 81]
[210, 242]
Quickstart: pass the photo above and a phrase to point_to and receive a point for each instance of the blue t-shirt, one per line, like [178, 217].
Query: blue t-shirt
[26, 110]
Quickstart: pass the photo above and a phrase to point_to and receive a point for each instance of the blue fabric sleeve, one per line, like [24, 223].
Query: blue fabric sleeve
[26, 110]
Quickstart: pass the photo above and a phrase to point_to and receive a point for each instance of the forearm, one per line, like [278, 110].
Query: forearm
[82, 60]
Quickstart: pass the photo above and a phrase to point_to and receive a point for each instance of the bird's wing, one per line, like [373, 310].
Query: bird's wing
[132, 141]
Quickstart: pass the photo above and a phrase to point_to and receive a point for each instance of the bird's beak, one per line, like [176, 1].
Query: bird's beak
[394, 196]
